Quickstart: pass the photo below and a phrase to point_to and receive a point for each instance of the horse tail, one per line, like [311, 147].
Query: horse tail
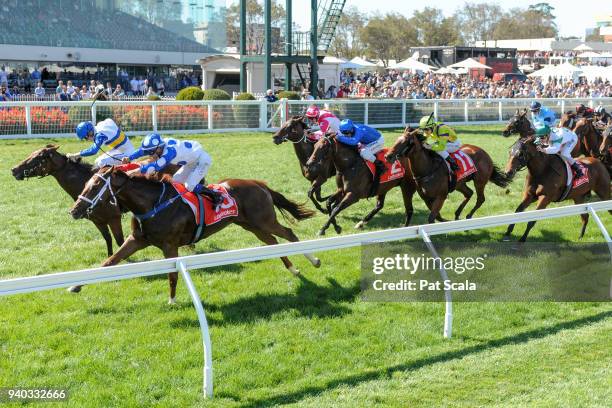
[499, 178]
[298, 211]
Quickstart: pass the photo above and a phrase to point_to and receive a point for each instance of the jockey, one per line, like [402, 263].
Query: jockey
[189, 155]
[583, 111]
[541, 115]
[369, 140]
[562, 141]
[604, 119]
[107, 134]
[326, 121]
[441, 138]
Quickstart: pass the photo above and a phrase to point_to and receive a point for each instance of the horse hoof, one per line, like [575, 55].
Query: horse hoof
[338, 229]
[317, 263]
[506, 238]
[74, 289]
[321, 233]
[294, 270]
[359, 225]
[172, 301]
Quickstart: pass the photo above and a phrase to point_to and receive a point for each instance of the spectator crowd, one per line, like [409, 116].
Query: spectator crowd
[404, 85]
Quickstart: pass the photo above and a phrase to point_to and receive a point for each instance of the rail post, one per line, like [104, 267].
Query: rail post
[28, 118]
[365, 113]
[404, 113]
[500, 111]
[466, 116]
[210, 116]
[197, 303]
[263, 115]
[448, 316]
[602, 228]
[154, 116]
[93, 113]
[436, 106]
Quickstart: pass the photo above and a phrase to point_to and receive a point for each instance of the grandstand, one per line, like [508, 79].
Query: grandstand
[83, 25]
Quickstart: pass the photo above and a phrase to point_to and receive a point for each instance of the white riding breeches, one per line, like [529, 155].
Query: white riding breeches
[368, 152]
[192, 173]
[566, 151]
[451, 147]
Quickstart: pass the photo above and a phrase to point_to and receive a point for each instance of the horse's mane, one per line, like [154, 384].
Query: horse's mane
[77, 164]
[154, 179]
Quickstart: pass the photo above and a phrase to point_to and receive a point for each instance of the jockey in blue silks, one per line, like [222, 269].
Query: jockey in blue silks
[369, 141]
[105, 134]
[193, 160]
[541, 115]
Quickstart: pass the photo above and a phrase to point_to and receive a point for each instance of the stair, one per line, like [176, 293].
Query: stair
[328, 20]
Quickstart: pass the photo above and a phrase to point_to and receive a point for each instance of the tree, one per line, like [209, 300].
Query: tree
[536, 21]
[389, 37]
[347, 42]
[434, 29]
[255, 25]
[477, 21]
[595, 36]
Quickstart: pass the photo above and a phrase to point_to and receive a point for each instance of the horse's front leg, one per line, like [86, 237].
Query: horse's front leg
[380, 203]
[542, 203]
[348, 199]
[171, 251]
[527, 200]
[130, 246]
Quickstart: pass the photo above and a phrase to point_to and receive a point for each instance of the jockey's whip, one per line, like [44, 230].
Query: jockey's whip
[95, 99]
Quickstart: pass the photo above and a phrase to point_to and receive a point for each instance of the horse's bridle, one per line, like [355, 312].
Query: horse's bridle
[27, 173]
[293, 131]
[98, 197]
[517, 152]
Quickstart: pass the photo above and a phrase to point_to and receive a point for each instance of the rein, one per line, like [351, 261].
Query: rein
[159, 206]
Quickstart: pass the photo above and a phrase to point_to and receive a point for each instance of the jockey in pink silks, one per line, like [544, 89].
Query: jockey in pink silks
[324, 122]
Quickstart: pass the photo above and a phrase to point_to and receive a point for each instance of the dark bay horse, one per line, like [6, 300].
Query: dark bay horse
[546, 180]
[294, 131]
[431, 173]
[72, 177]
[175, 226]
[589, 138]
[605, 149]
[356, 179]
[519, 124]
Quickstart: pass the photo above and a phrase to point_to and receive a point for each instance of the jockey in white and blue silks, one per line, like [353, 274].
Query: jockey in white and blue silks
[369, 140]
[541, 115]
[106, 136]
[193, 160]
[561, 141]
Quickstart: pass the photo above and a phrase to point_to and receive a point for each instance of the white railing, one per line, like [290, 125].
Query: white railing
[183, 264]
[53, 119]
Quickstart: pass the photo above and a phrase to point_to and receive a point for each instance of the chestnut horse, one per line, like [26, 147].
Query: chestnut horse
[546, 180]
[72, 176]
[356, 179]
[294, 131]
[174, 226]
[589, 137]
[432, 174]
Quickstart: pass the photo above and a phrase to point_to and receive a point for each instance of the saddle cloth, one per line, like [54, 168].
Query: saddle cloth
[465, 163]
[393, 171]
[228, 208]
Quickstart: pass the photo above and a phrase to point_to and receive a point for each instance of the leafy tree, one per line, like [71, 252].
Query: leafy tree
[434, 29]
[477, 21]
[255, 27]
[536, 21]
[389, 37]
[347, 41]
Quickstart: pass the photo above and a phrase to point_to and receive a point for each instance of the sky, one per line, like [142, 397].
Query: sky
[572, 16]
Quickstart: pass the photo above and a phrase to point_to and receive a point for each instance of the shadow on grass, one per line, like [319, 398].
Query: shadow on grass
[388, 372]
[308, 300]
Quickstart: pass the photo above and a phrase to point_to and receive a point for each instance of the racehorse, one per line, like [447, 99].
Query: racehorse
[294, 131]
[432, 174]
[519, 124]
[546, 180]
[174, 226]
[356, 179]
[72, 176]
[605, 149]
[589, 137]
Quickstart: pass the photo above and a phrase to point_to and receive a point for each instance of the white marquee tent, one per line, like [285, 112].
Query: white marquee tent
[412, 64]
[469, 63]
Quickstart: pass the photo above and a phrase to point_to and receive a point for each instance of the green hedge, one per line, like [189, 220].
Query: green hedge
[154, 98]
[216, 95]
[245, 96]
[291, 95]
[191, 93]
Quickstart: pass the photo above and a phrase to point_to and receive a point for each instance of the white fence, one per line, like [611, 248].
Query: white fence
[52, 119]
[183, 264]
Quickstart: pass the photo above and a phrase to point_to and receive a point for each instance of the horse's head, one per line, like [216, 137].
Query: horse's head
[321, 155]
[568, 120]
[103, 186]
[40, 163]
[520, 153]
[292, 130]
[519, 123]
[582, 126]
[410, 139]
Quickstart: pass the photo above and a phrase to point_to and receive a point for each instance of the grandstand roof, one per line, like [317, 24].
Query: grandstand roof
[25, 23]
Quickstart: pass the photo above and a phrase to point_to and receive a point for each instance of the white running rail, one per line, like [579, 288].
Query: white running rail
[183, 264]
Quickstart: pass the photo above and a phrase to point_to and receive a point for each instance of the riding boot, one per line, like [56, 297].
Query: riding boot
[453, 165]
[380, 169]
[217, 198]
[577, 170]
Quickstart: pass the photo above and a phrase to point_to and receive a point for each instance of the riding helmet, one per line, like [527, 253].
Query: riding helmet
[83, 129]
[346, 126]
[313, 112]
[542, 131]
[535, 105]
[427, 122]
[152, 142]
